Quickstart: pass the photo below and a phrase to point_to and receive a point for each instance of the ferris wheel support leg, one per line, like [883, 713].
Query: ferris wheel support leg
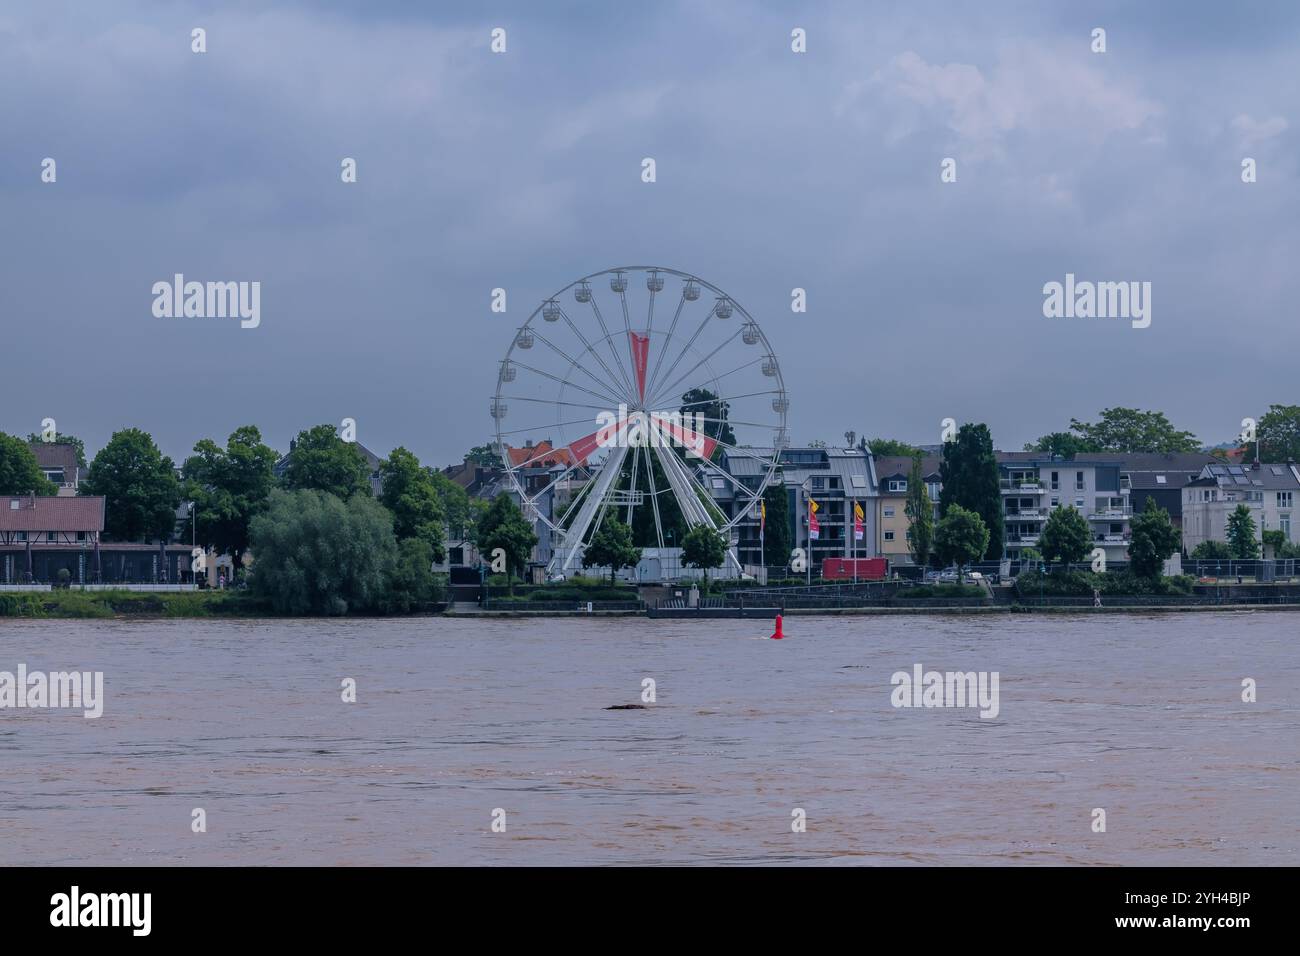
[591, 507]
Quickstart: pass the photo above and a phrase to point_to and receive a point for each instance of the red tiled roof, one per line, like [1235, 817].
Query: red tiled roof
[539, 455]
[50, 513]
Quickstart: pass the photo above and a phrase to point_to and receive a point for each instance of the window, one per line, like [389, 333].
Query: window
[1056, 501]
[1078, 481]
[1285, 522]
[49, 536]
[22, 535]
[14, 504]
[1160, 479]
[889, 536]
[859, 481]
[819, 484]
[897, 485]
[1284, 499]
[1056, 481]
[889, 512]
[81, 536]
[719, 483]
[1078, 503]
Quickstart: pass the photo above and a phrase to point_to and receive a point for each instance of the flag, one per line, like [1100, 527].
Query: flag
[857, 521]
[762, 516]
[814, 526]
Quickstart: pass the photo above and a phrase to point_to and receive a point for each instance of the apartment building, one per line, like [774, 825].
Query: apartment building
[1033, 486]
[1270, 491]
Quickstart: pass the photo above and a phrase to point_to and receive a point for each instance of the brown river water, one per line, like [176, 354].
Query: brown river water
[1141, 716]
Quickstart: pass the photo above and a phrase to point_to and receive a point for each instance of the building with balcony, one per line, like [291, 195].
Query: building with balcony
[58, 462]
[1033, 486]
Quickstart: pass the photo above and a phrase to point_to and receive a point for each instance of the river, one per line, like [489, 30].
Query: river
[1138, 715]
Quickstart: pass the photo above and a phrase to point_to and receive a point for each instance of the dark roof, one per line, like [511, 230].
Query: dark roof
[894, 466]
[51, 513]
[1268, 475]
[56, 455]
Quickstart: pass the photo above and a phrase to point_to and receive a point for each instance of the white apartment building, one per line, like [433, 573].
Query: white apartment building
[1270, 491]
[1032, 486]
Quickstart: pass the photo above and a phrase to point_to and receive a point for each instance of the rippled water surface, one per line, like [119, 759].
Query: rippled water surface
[1140, 715]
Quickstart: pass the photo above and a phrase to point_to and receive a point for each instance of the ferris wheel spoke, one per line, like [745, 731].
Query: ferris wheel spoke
[565, 381]
[609, 341]
[631, 498]
[659, 354]
[654, 498]
[552, 401]
[576, 537]
[739, 368]
[573, 362]
[681, 378]
[589, 347]
[687, 347]
[730, 398]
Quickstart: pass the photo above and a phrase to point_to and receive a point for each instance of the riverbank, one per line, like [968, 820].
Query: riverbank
[76, 604]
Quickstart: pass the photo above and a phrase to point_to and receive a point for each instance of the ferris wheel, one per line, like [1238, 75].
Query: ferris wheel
[621, 396]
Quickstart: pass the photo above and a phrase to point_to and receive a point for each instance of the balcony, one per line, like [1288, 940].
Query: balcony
[1030, 486]
[1027, 514]
[1111, 514]
[1023, 539]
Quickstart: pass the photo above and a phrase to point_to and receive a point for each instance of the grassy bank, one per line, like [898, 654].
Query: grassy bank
[109, 604]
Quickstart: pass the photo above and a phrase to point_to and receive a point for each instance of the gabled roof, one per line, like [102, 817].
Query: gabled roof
[54, 454]
[541, 455]
[51, 513]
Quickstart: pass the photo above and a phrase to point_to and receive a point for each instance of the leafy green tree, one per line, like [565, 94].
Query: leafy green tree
[969, 471]
[1154, 541]
[1241, 533]
[776, 531]
[1212, 551]
[701, 401]
[485, 455]
[1279, 433]
[1066, 536]
[611, 546]
[411, 582]
[503, 526]
[20, 473]
[920, 513]
[462, 512]
[704, 548]
[891, 448]
[228, 487]
[318, 554]
[1064, 444]
[961, 537]
[1030, 557]
[1133, 431]
[62, 439]
[412, 496]
[140, 485]
[322, 461]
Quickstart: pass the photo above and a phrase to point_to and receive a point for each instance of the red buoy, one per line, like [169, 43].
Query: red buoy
[779, 633]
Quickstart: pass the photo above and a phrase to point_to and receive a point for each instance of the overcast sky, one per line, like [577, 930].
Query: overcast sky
[522, 170]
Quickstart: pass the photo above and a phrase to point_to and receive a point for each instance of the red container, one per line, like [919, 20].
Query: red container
[868, 569]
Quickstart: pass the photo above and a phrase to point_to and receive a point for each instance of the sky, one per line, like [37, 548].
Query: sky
[522, 170]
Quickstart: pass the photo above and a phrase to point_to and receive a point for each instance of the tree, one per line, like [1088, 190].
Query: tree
[920, 513]
[1241, 533]
[462, 512]
[503, 526]
[1131, 430]
[140, 485]
[969, 471]
[701, 401]
[961, 537]
[1066, 536]
[19, 472]
[322, 461]
[1154, 541]
[228, 487]
[776, 530]
[1212, 551]
[1274, 541]
[704, 548]
[62, 439]
[1064, 444]
[1279, 433]
[411, 582]
[611, 546]
[485, 455]
[319, 554]
[889, 447]
[412, 496]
